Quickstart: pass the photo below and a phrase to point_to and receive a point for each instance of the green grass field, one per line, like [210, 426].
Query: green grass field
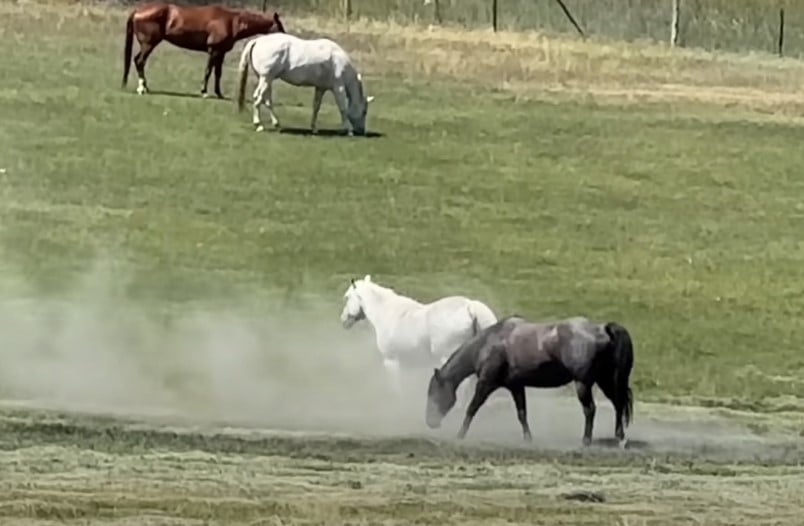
[156, 251]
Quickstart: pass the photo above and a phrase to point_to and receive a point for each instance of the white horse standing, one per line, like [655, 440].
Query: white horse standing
[409, 332]
[318, 63]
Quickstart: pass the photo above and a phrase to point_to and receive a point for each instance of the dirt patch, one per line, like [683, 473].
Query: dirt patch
[297, 369]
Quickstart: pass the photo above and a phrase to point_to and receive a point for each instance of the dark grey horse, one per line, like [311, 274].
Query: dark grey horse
[515, 353]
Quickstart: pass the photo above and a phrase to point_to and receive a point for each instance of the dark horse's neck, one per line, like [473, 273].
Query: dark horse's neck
[462, 362]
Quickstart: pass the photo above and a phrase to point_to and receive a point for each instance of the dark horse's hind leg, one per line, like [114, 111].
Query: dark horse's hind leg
[521, 410]
[607, 386]
[588, 402]
[482, 391]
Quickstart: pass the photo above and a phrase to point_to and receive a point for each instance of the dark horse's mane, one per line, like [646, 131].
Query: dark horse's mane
[479, 339]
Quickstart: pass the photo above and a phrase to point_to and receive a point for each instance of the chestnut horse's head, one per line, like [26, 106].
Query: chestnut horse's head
[252, 23]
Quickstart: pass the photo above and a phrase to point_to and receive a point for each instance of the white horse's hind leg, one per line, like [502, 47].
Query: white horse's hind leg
[269, 103]
[259, 94]
[317, 96]
[394, 374]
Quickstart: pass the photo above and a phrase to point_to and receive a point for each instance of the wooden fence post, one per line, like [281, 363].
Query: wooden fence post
[347, 12]
[781, 31]
[437, 12]
[675, 22]
[571, 18]
[494, 15]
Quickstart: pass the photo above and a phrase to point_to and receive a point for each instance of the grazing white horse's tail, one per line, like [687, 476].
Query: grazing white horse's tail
[245, 61]
[482, 316]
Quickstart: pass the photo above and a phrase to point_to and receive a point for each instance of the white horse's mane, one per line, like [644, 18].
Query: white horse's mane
[384, 291]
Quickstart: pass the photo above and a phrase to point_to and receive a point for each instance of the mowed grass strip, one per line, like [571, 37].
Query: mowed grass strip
[681, 222]
[74, 485]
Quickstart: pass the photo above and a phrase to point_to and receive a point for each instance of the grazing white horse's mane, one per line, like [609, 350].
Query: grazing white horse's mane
[411, 333]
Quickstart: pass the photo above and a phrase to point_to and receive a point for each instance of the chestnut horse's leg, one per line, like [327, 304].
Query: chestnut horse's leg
[146, 48]
[218, 72]
[518, 393]
[207, 72]
[588, 402]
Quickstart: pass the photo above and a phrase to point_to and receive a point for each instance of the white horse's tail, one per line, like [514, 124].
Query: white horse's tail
[245, 61]
[482, 316]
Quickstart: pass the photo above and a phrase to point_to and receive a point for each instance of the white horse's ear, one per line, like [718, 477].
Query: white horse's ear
[369, 98]
[353, 283]
[367, 278]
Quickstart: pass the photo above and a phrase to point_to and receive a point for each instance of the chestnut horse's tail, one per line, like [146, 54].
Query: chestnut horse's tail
[623, 355]
[128, 48]
[245, 62]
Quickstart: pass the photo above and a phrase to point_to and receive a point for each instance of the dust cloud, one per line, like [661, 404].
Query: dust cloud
[94, 349]
[252, 363]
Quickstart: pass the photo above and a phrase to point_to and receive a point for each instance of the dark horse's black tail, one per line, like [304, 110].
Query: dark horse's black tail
[623, 355]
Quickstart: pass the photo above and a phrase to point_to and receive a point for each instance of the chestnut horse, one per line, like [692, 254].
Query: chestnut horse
[210, 28]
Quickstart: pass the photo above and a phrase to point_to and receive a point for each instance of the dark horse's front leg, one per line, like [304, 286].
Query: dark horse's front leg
[482, 391]
[521, 411]
[588, 403]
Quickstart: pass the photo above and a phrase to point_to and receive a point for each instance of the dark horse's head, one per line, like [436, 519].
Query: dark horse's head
[440, 399]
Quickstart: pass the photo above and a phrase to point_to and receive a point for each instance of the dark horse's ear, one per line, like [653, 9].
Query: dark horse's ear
[437, 375]
[353, 283]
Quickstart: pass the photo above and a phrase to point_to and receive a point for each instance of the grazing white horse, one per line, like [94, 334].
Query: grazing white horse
[409, 332]
[319, 63]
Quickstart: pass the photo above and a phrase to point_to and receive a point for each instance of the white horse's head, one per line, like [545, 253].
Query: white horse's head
[358, 108]
[353, 308]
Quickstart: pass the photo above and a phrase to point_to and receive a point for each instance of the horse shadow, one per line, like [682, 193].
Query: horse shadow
[187, 95]
[307, 132]
[613, 443]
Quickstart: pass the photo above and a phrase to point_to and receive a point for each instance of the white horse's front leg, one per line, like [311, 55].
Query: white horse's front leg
[394, 374]
[343, 106]
[317, 96]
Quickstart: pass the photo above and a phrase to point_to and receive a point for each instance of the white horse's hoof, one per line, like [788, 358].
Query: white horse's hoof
[259, 128]
[623, 443]
[204, 95]
[141, 91]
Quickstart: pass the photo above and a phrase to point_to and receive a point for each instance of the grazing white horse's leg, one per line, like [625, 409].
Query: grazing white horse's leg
[392, 368]
[259, 93]
[269, 103]
[340, 98]
[317, 96]
[263, 95]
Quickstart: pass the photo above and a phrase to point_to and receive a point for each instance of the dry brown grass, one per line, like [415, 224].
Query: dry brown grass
[536, 65]
[533, 63]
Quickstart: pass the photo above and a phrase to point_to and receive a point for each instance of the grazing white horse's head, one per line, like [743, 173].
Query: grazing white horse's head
[353, 309]
[358, 108]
